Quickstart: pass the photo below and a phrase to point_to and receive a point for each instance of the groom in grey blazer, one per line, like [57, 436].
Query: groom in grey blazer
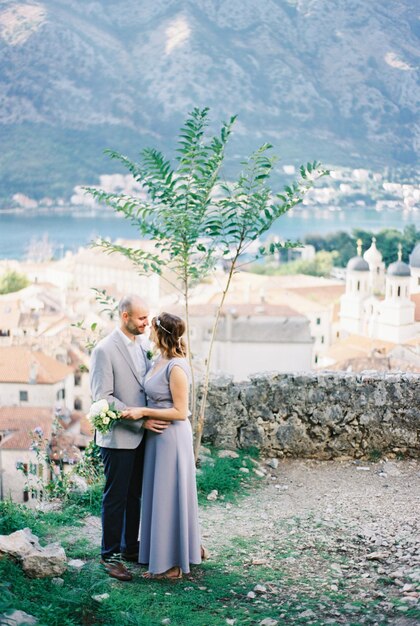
[119, 364]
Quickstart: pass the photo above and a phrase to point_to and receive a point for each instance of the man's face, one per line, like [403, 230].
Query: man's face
[136, 321]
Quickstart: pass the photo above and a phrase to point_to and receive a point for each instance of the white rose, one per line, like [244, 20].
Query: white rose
[103, 414]
[101, 406]
[105, 420]
[112, 414]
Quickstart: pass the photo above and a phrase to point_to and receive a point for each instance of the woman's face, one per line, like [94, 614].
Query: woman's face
[152, 335]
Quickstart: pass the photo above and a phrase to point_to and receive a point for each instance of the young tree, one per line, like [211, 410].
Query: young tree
[12, 281]
[195, 221]
[176, 210]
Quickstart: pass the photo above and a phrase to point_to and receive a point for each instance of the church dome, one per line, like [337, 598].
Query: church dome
[372, 254]
[358, 264]
[415, 256]
[399, 268]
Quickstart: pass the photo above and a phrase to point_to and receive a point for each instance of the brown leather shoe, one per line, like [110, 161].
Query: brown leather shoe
[117, 570]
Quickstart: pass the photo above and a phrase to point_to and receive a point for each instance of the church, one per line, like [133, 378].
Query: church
[381, 303]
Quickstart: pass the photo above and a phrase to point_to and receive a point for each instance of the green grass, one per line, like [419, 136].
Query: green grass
[295, 567]
[224, 475]
[211, 594]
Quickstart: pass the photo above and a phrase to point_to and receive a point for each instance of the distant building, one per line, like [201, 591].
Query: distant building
[381, 306]
[16, 426]
[23, 472]
[254, 338]
[33, 379]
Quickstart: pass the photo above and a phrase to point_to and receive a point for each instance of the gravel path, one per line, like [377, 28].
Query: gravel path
[325, 527]
[344, 536]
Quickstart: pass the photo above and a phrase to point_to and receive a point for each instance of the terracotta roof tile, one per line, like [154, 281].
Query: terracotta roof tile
[16, 424]
[17, 363]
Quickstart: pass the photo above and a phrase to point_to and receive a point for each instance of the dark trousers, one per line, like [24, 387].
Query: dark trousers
[121, 500]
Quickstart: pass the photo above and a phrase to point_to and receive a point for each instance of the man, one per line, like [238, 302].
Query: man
[118, 366]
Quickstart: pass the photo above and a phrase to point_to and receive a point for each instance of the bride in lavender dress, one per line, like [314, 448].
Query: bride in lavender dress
[169, 527]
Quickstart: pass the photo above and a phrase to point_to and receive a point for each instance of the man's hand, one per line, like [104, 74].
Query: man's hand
[156, 426]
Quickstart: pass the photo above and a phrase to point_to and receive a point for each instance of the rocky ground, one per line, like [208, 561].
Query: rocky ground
[346, 527]
[328, 542]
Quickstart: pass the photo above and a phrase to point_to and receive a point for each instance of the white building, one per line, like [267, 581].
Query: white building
[16, 426]
[253, 338]
[415, 270]
[358, 289]
[396, 314]
[390, 317]
[376, 268]
[33, 379]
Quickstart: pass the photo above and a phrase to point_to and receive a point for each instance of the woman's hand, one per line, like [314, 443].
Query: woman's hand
[133, 413]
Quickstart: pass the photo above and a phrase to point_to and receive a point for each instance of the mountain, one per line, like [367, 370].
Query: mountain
[336, 81]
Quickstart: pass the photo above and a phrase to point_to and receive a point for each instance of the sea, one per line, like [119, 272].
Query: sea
[68, 231]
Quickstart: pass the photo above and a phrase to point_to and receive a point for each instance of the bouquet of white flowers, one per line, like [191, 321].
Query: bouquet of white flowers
[103, 416]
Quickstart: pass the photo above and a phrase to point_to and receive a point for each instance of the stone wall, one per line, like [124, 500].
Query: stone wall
[321, 415]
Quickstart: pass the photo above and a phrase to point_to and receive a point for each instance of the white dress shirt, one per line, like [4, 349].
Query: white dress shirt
[136, 353]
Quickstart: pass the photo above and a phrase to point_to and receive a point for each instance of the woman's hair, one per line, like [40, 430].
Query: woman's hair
[169, 330]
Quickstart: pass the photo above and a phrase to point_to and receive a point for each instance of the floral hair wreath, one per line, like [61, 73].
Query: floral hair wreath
[158, 323]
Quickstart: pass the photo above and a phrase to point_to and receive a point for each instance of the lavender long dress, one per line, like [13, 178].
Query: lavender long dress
[169, 527]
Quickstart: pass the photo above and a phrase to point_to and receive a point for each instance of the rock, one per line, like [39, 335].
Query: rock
[244, 470]
[213, 495]
[48, 561]
[227, 454]
[273, 463]
[260, 589]
[308, 613]
[100, 597]
[259, 473]
[79, 484]
[166, 620]
[57, 581]
[268, 621]
[377, 556]
[19, 543]
[251, 595]
[51, 505]
[17, 618]
[205, 451]
[391, 469]
[76, 563]
[397, 574]
[37, 561]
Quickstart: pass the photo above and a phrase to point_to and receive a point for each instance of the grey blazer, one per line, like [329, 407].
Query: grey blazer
[113, 377]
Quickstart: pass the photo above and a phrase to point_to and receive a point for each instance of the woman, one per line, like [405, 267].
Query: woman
[169, 528]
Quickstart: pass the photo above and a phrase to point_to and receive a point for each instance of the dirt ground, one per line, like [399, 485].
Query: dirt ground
[350, 528]
[335, 542]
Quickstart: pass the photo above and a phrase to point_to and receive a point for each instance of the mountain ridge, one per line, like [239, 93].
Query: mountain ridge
[77, 77]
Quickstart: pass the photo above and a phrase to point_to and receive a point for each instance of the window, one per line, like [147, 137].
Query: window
[61, 394]
[322, 339]
[358, 285]
[23, 396]
[378, 269]
[399, 291]
[316, 358]
[318, 321]
[77, 379]
[337, 334]
[77, 404]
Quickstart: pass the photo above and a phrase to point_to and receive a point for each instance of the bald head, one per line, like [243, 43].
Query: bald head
[129, 301]
[134, 315]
